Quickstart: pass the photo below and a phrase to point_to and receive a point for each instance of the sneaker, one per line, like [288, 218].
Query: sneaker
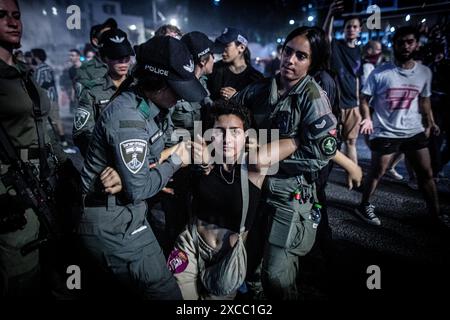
[413, 185]
[367, 213]
[69, 150]
[393, 174]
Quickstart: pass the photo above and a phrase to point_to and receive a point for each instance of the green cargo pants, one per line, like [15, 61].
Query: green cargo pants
[292, 232]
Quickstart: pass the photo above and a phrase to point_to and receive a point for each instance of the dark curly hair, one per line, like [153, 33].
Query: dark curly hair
[222, 107]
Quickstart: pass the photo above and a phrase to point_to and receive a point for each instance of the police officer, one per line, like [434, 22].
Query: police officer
[115, 51]
[185, 113]
[22, 100]
[295, 104]
[94, 68]
[19, 120]
[129, 136]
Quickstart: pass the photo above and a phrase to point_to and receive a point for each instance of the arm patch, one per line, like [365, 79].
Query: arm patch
[321, 125]
[328, 145]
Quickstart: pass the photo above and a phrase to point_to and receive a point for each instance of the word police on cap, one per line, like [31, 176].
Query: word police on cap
[157, 70]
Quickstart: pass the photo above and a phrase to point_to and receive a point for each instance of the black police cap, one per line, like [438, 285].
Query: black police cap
[168, 58]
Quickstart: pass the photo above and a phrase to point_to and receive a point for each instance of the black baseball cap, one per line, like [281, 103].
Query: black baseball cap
[231, 34]
[114, 44]
[95, 30]
[199, 44]
[169, 58]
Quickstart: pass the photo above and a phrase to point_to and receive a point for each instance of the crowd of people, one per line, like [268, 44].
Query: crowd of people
[181, 198]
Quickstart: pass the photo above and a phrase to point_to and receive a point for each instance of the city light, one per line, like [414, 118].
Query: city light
[291, 22]
[408, 17]
[44, 12]
[174, 22]
[310, 18]
[54, 11]
[392, 29]
[132, 27]
[424, 20]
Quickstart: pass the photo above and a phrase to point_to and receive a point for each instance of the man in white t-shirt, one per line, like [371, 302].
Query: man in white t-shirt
[402, 121]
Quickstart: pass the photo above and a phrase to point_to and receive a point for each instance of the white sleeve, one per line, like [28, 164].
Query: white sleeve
[369, 86]
[426, 90]
[367, 70]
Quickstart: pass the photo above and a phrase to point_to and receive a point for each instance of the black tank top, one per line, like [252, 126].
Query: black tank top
[220, 203]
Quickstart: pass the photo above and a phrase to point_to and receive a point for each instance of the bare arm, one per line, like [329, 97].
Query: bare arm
[366, 123]
[267, 156]
[428, 118]
[335, 7]
[354, 172]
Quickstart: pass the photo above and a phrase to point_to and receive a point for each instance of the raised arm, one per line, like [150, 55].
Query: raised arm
[335, 7]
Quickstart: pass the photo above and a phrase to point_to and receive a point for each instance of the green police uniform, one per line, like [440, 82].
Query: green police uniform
[94, 97]
[303, 112]
[184, 114]
[17, 118]
[94, 69]
[129, 137]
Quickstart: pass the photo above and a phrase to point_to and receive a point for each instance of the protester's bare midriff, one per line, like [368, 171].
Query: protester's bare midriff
[216, 237]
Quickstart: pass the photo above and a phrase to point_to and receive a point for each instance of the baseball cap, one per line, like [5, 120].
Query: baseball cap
[169, 58]
[114, 44]
[199, 44]
[231, 34]
[95, 30]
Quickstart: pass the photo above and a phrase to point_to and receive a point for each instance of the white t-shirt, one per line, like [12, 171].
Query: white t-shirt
[395, 99]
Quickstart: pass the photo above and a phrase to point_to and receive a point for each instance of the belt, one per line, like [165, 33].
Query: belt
[101, 200]
[29, 153]
[310, 176]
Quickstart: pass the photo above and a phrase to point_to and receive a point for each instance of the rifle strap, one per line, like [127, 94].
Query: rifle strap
[44, 170]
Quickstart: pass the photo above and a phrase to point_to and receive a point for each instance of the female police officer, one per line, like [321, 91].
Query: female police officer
[129, 136]
[295, 104]
[115, 51]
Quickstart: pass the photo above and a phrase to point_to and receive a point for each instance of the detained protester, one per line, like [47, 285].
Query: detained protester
[129, 137]
[234, 72]
[115, 50]
[400, 125]
[296, 105]
[209, 260]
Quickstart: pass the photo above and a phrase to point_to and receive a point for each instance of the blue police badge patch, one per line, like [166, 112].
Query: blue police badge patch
[81, 118]
[133, 153]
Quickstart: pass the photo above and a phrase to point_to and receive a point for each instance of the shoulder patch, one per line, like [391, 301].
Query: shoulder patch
[177, 261]
[323, 124]
[328, 145]
[81, 118]
[133, 154]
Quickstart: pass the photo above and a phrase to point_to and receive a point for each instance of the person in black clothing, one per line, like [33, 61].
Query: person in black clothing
[234, 72]
[214, 242]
